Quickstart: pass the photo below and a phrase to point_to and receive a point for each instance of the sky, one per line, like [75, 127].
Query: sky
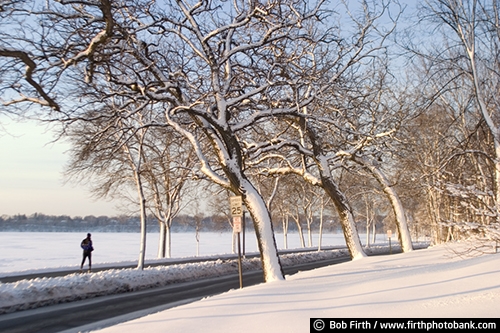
[431, 283]
[31, 179]
[31, 175]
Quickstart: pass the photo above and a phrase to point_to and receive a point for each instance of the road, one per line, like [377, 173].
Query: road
[111, 309]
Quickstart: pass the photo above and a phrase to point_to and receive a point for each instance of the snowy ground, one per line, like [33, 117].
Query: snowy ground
[431, 283]
[426, 283]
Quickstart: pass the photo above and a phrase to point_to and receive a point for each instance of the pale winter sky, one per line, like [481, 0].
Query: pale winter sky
[31, 175]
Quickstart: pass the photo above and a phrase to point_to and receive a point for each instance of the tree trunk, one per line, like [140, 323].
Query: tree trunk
[397, 207]
[165, 241]
[168, 239]
[309, 218]
[374, 231]
[227, 148]
[485, 112]
[285, 231]
[299, 229]
[346, 217]
[321, 219]
[339, 200]
[264, 231]
[367, 228]
[162, 240]
[142, 201]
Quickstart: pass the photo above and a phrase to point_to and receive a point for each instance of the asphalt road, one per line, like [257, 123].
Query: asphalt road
[112, 309]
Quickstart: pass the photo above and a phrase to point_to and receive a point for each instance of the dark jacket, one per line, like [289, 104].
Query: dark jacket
[87, 245]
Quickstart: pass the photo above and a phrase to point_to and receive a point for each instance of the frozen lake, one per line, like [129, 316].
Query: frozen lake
[22, 251]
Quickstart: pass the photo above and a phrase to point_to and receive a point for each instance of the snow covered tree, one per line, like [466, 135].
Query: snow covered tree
[347, 118]
[477, 38]
[168, 168]
[403, 230]
[459, 64]
[111, 156]
[214, 67]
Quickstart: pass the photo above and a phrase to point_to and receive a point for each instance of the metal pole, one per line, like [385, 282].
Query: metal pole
[239, 262]
[243, 226]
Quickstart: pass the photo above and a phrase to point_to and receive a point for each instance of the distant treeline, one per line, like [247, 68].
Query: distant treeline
[182, 223]
[64, 223]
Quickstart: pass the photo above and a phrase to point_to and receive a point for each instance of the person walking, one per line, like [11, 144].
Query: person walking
[87, 251]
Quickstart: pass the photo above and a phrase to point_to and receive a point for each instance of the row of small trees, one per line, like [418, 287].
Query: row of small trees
[249, 95]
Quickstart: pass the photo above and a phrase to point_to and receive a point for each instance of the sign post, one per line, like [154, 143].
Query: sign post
[237, 214]
[389, 234]
[243, 227]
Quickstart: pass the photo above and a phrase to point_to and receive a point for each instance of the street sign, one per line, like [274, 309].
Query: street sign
[389, 233]
[237, 224]
[235, 204]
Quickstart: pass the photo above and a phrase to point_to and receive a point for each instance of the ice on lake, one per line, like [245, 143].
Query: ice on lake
[23, 251]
